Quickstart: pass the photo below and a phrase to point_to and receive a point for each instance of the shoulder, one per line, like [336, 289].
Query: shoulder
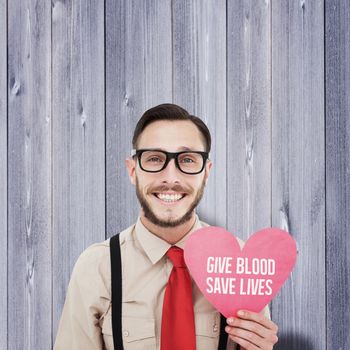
[99, 253]
[93, 264]
[95, 259]
[94, 254]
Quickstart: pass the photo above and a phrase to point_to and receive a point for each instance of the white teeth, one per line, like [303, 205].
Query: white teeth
[169, 197]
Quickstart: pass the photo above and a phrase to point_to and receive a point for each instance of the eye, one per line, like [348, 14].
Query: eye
[187, 160]
[154, 159]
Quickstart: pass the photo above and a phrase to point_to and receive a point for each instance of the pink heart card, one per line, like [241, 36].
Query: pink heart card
[235, 279]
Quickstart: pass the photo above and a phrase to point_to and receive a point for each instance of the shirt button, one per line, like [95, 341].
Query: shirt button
[215, 328]
[125, 333]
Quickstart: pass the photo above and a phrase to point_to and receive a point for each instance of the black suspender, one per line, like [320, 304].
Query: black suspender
[116, 274]
[223, 334]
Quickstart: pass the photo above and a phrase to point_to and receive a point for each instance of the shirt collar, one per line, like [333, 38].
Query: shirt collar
[155, 247]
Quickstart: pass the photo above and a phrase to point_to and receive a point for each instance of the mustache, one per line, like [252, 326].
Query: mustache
[175, 188]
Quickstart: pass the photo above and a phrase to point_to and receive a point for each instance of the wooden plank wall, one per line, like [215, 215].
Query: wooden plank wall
[298, 167]
[29, 175]
[3, 175]
[270, 78]
[248, 116]
[78, 138]
[337, 131]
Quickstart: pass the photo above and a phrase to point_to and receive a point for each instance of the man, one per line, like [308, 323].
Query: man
[169, 167]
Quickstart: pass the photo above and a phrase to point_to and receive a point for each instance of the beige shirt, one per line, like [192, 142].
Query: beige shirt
[86, 322]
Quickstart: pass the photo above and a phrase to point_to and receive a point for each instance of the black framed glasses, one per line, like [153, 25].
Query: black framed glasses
[155, 160]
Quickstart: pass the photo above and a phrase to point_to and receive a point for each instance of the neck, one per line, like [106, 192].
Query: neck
[171, 235]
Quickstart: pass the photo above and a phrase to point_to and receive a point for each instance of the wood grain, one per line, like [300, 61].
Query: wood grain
[248, 117]
[79, 137]
[298, 168]
[337, 78]
[29, 175]
[199, 85]
[3, 174]
[138, 76]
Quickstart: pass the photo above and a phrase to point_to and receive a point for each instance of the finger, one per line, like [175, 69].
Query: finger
[244, 343]
[258, 318]
[246, 335]
[249, 325]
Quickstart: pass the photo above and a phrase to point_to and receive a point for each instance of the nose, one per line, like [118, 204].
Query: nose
[171, 173]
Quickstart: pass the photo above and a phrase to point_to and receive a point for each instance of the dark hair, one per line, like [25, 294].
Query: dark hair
[169, 111]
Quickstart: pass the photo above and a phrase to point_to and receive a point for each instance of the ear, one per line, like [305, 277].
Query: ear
[207, 170]
[130, 166]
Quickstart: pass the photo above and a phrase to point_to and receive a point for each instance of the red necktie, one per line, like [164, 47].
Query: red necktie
[178, 332]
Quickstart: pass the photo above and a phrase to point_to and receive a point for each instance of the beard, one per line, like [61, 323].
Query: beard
[151, 215]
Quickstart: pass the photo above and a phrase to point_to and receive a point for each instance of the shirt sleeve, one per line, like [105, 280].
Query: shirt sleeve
[87, 300]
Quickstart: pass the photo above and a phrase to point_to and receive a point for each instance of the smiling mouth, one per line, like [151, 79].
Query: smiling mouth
[169, 198]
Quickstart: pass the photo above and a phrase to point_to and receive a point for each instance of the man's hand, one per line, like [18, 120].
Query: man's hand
[252, 331]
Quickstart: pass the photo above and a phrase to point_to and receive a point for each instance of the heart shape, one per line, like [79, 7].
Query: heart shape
[233, 279]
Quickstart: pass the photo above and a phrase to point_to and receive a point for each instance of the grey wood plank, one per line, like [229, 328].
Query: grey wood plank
[138, 76]
[298, 169]
[337, 80]
[78, 162]
[199, 85]
[248, 116]
[3, 174]
[29, 175]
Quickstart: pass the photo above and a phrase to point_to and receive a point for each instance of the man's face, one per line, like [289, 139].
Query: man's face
[185, 190]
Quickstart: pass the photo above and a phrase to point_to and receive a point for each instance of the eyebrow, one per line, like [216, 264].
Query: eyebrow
[182, 148]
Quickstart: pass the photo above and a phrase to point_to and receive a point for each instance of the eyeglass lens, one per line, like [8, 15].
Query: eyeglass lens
[189, 162]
